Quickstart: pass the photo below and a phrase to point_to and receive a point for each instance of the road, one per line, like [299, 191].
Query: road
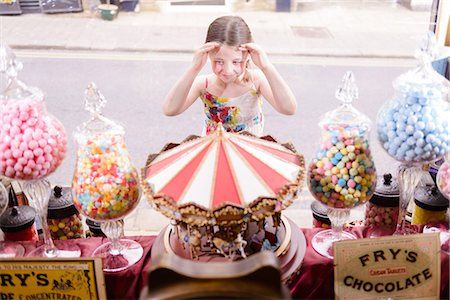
[135, 86]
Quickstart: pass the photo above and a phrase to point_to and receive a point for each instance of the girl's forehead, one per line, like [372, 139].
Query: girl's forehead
[225, 51]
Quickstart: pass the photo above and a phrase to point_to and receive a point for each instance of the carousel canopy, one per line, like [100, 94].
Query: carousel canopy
[211, 178]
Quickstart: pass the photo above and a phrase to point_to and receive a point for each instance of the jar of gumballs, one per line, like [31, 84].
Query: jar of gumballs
[342, 175]
[64, 220]
[105, 184]
[383, 207]
[32, 141]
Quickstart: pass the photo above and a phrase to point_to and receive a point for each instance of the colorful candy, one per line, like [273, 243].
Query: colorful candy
[414, 126]
[105, 183]
[67, 228]
[32, 142]
[380, 216]
[342, 175]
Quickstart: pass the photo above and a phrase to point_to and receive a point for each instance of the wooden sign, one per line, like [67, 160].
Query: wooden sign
[397, 267]
[32, 278]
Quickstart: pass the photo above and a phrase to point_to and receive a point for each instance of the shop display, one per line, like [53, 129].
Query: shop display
[32, 144]
[342, 174]
[413, 126]
[7, 249]
[64, 220]
[105, 184]
[383, 207]
[225, 193]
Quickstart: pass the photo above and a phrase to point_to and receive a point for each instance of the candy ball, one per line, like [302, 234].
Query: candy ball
[32, 142]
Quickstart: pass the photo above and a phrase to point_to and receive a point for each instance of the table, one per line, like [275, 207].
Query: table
[314, 281]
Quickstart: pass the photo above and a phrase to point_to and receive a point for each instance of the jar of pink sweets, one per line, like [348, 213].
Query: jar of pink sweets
[32, 141]
[64, 220]
[383, 207]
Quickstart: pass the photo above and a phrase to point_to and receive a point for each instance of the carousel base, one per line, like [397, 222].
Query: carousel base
[291, 249]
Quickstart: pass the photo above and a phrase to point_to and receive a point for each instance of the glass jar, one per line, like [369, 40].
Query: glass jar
[32, 141]
[17, 223]
[413, 126]
[383, 207]
[342, 174]
[94, 229]
[320, 217]
[105, 184]
[431, 206]
[443, 177]
[64, 220]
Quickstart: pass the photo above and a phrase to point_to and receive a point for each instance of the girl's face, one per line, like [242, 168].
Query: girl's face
[228, 63]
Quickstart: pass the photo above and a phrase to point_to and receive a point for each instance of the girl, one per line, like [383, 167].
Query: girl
[232, 93]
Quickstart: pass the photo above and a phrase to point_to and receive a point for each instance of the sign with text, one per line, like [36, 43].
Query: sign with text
[399, 267]
[65, 279]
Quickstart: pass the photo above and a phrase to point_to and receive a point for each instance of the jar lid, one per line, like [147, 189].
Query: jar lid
[320, 212]
[429, 198]
[60, 204]
[346, 115]
[94, 227]
[387, 192]
[3, 198]
[97, 125]
[17, 218]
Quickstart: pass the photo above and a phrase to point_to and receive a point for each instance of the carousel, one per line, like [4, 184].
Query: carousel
[224, 194]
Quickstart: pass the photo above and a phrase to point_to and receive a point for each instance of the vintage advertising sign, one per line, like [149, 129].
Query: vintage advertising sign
[62, 279]
[397, 267]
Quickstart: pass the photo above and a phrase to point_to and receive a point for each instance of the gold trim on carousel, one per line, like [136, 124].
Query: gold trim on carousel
[284, 247]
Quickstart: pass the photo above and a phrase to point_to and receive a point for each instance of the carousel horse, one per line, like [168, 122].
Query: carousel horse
[194, 239]
[231, 247]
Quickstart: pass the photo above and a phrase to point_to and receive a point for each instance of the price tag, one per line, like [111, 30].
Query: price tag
[69, 279]
[398, 267]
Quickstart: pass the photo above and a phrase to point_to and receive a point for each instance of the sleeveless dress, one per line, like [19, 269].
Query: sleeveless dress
[242, 113]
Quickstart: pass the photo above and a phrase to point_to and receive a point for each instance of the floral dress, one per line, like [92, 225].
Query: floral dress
[242, 113]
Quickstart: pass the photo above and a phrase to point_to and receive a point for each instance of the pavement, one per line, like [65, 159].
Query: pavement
[317, 30]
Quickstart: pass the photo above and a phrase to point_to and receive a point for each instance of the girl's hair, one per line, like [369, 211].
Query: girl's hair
[230, 31]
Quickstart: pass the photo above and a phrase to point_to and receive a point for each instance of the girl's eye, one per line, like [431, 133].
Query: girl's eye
[237, 62]
[219, 62]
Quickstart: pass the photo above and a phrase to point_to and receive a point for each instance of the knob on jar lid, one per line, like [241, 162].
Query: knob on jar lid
[17, 218]
[387, 192]
[429, 198]
[61, 204]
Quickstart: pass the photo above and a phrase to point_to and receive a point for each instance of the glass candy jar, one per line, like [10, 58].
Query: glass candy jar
[64, 220]
[32, 141]
[17, 223]
[382, 209]
[413, 126]
[105, 184]
[320, 217]
[342, 174]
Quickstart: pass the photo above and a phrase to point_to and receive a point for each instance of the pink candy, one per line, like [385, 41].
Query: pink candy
[32, 142]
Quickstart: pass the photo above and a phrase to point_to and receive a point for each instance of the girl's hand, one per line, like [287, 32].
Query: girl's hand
[257, 55]
[201, 55]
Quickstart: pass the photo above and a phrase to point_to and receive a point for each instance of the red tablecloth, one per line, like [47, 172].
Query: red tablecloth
[315, 280]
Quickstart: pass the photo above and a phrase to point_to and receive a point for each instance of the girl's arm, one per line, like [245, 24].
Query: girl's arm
[187, 89]
[272, 86]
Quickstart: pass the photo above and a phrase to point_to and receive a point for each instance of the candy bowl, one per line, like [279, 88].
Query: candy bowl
[342, 174]
[105, 184]
[413, 126]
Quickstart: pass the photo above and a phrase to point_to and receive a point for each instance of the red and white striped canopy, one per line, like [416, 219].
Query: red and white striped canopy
[221, 169]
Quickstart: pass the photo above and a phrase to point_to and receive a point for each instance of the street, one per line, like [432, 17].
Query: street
[135, 88]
